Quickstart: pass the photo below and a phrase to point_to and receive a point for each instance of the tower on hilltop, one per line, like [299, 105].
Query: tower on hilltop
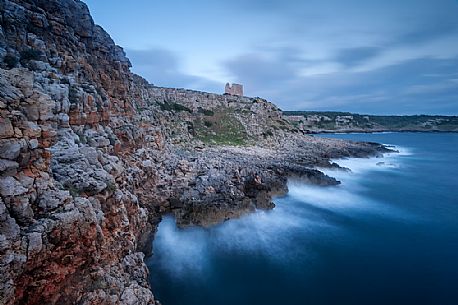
[234, 89]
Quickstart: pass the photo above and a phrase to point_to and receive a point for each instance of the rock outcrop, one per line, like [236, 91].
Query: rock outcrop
[92, 155]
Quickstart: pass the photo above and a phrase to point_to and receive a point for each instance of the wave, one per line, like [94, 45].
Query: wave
[178, 251]
[359, 166]
[306, 213]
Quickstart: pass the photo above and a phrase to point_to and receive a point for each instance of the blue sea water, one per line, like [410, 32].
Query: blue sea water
[387, 235]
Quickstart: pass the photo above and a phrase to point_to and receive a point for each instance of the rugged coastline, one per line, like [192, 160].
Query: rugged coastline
[346, 122]
[91, 157]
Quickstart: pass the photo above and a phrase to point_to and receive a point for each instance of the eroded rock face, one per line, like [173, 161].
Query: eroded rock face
[69, 232]
[91, 156]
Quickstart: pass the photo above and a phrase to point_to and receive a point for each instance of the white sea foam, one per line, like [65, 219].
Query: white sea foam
[351, 194]
[180, 250]
[267, 233]
[307, 211]
[360, 166]
[259, 232]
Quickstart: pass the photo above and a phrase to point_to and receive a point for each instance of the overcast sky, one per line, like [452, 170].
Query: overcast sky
[367, 56]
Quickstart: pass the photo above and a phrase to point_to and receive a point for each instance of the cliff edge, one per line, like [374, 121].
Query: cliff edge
[91, 157]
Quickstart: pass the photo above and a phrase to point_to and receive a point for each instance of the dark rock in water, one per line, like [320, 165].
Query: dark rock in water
[92, 156]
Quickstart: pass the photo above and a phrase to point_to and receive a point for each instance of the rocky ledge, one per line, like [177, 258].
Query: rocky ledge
[92, 156]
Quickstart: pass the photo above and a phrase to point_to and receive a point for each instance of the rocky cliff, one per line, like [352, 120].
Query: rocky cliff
[91, 157]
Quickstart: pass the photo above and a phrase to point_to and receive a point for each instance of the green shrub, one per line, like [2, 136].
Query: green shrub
[82, 139]
[10, 61]
[206, 112]
[73, 96]
[30, 54]
[208, 124]
[173, 107]
[268, 133]
[65, 81]
[74, 192]
[111, 186]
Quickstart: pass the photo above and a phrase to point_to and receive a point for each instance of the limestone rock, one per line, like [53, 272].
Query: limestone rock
[31, 129]
[6, 128]
[9, 229]
[11, 187]
[34, 243]
[7, 165]
[10, 149]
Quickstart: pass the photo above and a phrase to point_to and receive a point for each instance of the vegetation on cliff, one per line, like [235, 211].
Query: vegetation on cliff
[220, 127]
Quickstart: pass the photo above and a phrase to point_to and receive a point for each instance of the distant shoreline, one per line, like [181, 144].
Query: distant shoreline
[346, 122]
[378, 131]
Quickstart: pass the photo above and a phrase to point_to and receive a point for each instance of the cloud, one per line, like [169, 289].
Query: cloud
[163, 68]
[250, 67]
[428, 32]
[366, 56]
[406, 87]
[356, 56]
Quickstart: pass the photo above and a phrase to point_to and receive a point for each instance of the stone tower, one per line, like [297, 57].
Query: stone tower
[234, 89]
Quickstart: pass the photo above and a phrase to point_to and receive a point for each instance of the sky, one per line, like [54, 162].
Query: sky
[365, 56]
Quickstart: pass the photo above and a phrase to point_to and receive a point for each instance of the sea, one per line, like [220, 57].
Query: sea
[388, 234]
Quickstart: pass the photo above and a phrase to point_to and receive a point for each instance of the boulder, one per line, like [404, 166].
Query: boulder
[11, 187]
[8, 165]
[31, 129]
[21, 210]
[6, 128]
[9, 229]
[34, 243]
[10, 149]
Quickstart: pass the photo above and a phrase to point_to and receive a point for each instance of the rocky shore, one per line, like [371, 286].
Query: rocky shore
[91, 157]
